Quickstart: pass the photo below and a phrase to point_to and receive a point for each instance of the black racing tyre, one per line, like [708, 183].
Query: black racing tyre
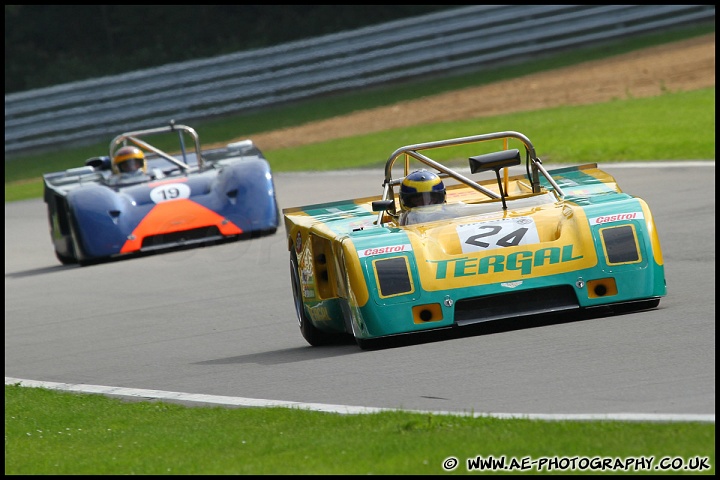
[80, 257]
[76, 242]
[366, 344]
[65, 260]
[310, 332]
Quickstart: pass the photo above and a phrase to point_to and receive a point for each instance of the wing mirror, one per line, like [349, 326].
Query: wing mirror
[495, 161]
[382, 205]
[98, 163]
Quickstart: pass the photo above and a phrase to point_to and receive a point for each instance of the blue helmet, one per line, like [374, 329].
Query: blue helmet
[421, 187]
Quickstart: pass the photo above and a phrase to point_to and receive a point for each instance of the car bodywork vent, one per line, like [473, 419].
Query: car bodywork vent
[204, 234]
[515, 304]
[621, 245]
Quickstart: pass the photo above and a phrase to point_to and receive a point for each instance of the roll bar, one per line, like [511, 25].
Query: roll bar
[533, 165]
[134, 137]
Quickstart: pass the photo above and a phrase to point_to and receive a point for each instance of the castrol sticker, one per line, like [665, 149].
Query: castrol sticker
[370, 252]
[616, 217]
[169, 191]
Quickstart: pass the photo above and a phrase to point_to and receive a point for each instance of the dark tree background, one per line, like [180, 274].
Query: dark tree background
[47, 45]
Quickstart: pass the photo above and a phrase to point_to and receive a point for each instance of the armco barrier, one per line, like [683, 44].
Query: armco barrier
[446, 42]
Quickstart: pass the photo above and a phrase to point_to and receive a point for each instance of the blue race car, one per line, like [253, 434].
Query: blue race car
[141, 199]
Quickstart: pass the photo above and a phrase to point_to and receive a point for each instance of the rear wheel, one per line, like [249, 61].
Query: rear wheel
[313, 335]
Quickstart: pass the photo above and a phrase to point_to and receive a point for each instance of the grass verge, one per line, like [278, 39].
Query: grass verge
[56, 433]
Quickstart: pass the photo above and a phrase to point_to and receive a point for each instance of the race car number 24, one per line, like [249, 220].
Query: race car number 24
[504, 232]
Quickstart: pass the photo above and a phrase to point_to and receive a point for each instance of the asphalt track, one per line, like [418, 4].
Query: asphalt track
[217, 325]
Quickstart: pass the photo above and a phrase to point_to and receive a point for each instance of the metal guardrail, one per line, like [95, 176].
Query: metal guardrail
[446, 42]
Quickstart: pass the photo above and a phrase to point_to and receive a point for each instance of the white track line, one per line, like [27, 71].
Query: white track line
[180, 397]
[195, 398]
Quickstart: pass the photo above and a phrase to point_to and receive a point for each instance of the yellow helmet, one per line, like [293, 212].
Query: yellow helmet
[129, 159]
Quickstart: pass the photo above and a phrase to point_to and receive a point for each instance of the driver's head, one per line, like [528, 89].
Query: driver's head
[128, 160]
[420, 188]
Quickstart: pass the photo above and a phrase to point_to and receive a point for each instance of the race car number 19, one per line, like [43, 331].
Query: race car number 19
[169, 191]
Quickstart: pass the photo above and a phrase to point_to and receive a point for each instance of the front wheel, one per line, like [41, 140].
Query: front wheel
[313, 335]
[64, 259]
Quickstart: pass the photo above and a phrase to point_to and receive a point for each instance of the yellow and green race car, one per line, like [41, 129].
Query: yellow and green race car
[442, 248]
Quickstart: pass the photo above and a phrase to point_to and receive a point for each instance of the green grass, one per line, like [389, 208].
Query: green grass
[560, 135]
[673, 126]
[55, 433]
[60, 433]
[568, 134]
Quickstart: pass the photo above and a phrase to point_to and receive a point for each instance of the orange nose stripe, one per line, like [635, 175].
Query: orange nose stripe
[176, 216]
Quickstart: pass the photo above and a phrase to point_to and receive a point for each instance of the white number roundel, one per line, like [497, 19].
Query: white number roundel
[169, 191]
